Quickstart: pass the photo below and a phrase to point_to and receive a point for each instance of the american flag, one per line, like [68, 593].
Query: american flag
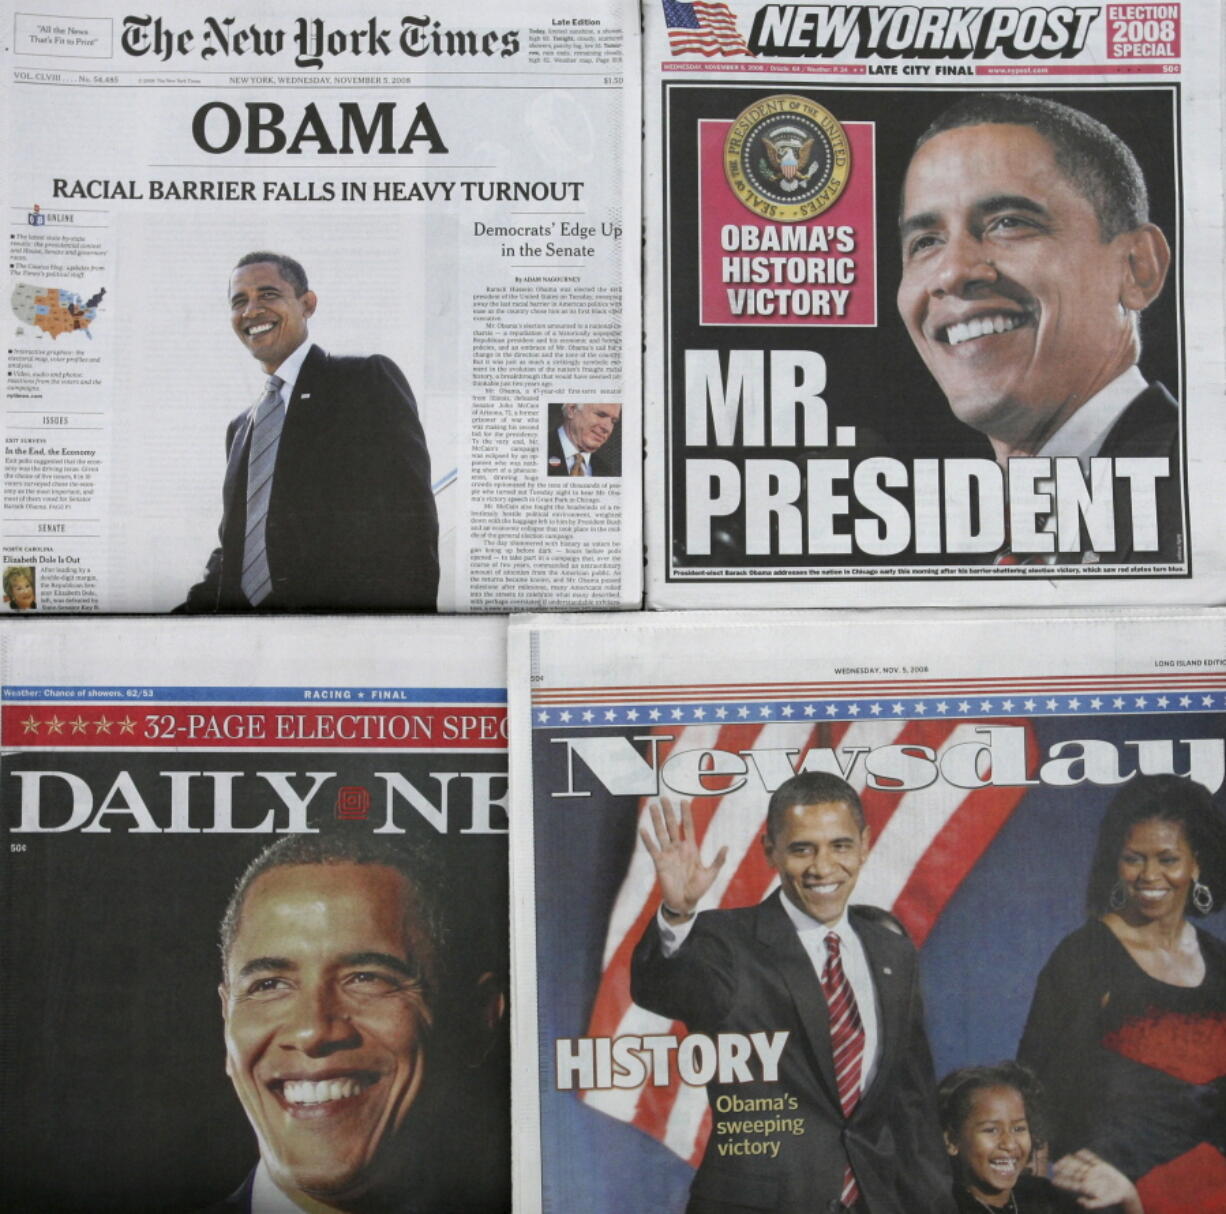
[700, 28]
[924, 842]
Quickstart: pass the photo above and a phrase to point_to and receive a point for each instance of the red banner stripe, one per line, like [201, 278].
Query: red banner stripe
[227, 727]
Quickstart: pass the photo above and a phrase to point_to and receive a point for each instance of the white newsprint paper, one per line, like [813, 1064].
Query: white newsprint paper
[460, 185]
[933, 304]
[363, 764]
[989, 754]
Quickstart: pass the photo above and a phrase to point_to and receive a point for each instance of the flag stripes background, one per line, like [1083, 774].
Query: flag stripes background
[702, 28]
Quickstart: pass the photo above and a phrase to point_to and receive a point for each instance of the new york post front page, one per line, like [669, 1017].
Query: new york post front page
[254, 894]
[422, 221]
[933, 304]
[994, 816]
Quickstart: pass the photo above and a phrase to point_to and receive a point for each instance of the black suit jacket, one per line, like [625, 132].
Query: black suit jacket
[352, 524]
[1149, 427]
[745, 971]
[239, 1202]
[605, 461]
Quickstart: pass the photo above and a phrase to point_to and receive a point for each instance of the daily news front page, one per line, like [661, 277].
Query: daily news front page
[350, 1038]
[934, 304]
[460, 185]
[985, 751]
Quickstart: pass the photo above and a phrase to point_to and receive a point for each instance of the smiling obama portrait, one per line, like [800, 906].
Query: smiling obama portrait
[326, 469]
[1027, 260]
[352, 1034]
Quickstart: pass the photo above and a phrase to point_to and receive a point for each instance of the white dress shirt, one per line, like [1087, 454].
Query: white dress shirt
[266, 1198]
[569, 451]
[288, 373]
[1085, 432]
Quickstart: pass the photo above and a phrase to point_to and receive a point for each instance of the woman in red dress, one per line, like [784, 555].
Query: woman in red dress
[1127, 1031]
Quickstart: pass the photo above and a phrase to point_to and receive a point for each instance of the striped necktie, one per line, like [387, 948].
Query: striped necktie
[576, 467]
[265, 436]
[847, 1042]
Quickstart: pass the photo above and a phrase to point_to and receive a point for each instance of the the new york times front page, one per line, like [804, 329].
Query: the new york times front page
[424, 223]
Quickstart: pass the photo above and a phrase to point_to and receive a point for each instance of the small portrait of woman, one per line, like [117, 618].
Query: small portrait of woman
[19, 588]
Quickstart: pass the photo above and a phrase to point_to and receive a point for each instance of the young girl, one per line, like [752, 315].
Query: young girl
[989, 1115]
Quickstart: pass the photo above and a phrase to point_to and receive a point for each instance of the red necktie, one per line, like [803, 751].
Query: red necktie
[847, 1042]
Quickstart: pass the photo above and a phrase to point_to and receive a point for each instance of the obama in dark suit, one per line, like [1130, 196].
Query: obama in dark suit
[327, 503]
[855, 1084]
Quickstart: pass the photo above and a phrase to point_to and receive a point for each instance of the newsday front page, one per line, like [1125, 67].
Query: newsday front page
[459, 191]
[991, 812]
[934, 304]
[255, 916]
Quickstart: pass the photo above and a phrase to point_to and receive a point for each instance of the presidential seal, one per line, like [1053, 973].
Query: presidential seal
[787, 158]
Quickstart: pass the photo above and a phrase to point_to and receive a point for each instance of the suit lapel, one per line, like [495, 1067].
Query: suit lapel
[297, 421]
[1149, 426]
[300, 446]
[885, 963]
[235, 485]
[779, 939]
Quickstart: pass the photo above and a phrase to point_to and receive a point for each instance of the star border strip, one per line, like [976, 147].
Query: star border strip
[900, 708]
